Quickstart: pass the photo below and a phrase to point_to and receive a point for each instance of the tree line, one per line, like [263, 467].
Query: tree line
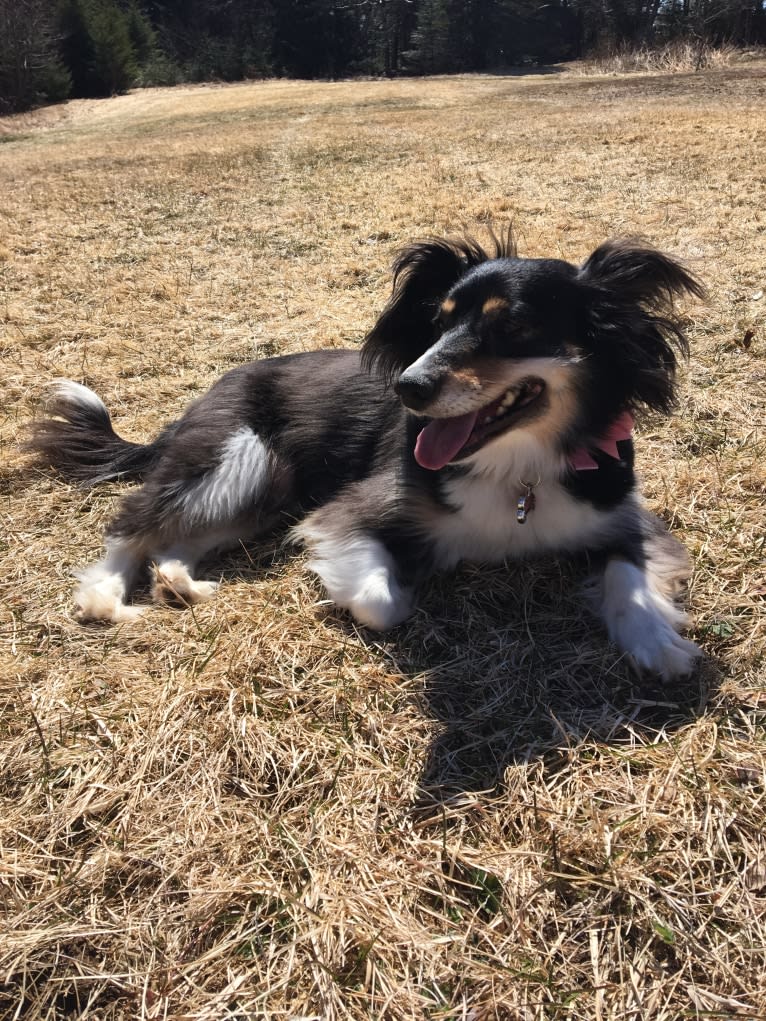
[53, 49]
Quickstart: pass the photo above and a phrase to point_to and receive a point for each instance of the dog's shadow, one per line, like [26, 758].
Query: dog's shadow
[516, 667]
[513, 667]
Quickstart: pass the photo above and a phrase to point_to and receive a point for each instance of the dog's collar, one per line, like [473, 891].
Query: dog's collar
[580, 460]
[620, 429]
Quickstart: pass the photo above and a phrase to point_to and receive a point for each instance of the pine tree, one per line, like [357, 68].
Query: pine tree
[97, 47]
[429, 47]
[316, 38]
[114, 59]
[143, 38]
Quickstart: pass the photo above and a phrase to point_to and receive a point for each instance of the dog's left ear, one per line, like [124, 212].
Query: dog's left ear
[423, 274]
[630, 290]
[639, 273]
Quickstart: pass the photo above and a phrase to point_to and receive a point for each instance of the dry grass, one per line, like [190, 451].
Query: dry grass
[681, 55]
[255, 810]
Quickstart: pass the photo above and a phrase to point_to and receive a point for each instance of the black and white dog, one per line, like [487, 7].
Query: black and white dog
[488, 415]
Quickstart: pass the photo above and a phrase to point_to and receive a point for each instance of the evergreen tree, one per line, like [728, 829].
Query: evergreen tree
[142, 36]
[97, 47]
[316, 38]
[215, 38]
[472, 34]
[429, 46]
[114, 60]
[76, 46]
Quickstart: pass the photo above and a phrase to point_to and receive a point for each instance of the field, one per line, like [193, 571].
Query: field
[255, 810]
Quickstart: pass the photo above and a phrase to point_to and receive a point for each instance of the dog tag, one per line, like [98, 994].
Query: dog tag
[525, 505]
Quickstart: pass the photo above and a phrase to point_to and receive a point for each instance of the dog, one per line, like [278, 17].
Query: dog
[488, 415]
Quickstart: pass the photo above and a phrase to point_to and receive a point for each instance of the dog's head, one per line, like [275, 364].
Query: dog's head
[492, 345]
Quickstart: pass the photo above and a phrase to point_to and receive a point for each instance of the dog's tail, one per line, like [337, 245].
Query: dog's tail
[77, 439]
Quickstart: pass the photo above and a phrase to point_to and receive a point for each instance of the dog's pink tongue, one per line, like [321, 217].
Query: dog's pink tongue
[441, 439]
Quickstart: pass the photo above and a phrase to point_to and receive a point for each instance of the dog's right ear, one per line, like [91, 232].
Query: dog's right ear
[423, 274]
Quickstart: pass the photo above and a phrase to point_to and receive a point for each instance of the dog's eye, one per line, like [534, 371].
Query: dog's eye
[501, 333]
[442, 319]
[445, 314]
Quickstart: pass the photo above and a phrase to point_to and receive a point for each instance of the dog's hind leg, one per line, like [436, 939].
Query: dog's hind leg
[178, 516]
[212, 510]
[174, 569]
[105, 586]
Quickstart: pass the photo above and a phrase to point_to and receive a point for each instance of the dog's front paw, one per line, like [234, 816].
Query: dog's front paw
[644, 623]
[381, 603]
[360, 576]
[654, 645]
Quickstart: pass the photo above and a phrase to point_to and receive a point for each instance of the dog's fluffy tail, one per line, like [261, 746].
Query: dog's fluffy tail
[77, 439]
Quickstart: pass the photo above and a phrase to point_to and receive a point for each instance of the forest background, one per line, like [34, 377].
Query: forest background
[51, 50]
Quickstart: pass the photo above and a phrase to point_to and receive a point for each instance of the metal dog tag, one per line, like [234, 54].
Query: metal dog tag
[525, 504]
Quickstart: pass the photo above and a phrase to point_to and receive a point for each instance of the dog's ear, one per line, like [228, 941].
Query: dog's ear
[630, 289]
[423, 274]
[639, 273]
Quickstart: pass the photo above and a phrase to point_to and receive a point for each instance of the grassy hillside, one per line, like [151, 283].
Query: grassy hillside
[255, 810]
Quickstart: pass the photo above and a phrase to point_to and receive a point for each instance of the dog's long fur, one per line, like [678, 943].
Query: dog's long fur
[486, 378]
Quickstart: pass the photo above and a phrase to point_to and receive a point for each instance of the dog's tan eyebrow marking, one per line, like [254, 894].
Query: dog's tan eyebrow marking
[494, 305]
[448, 306]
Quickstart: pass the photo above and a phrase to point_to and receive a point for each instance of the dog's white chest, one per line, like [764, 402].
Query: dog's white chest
[484, 526]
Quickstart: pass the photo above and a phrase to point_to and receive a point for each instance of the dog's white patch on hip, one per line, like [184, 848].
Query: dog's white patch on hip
[644, 622]
[237, 481]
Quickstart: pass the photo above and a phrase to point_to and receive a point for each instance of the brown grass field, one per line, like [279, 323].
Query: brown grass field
[255, 810]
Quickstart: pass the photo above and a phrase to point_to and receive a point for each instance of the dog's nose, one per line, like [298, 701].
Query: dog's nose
[415, 391]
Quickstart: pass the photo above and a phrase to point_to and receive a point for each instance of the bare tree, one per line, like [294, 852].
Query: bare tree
[28, 60]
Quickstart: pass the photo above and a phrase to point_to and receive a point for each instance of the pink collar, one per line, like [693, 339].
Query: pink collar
[620, 429]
